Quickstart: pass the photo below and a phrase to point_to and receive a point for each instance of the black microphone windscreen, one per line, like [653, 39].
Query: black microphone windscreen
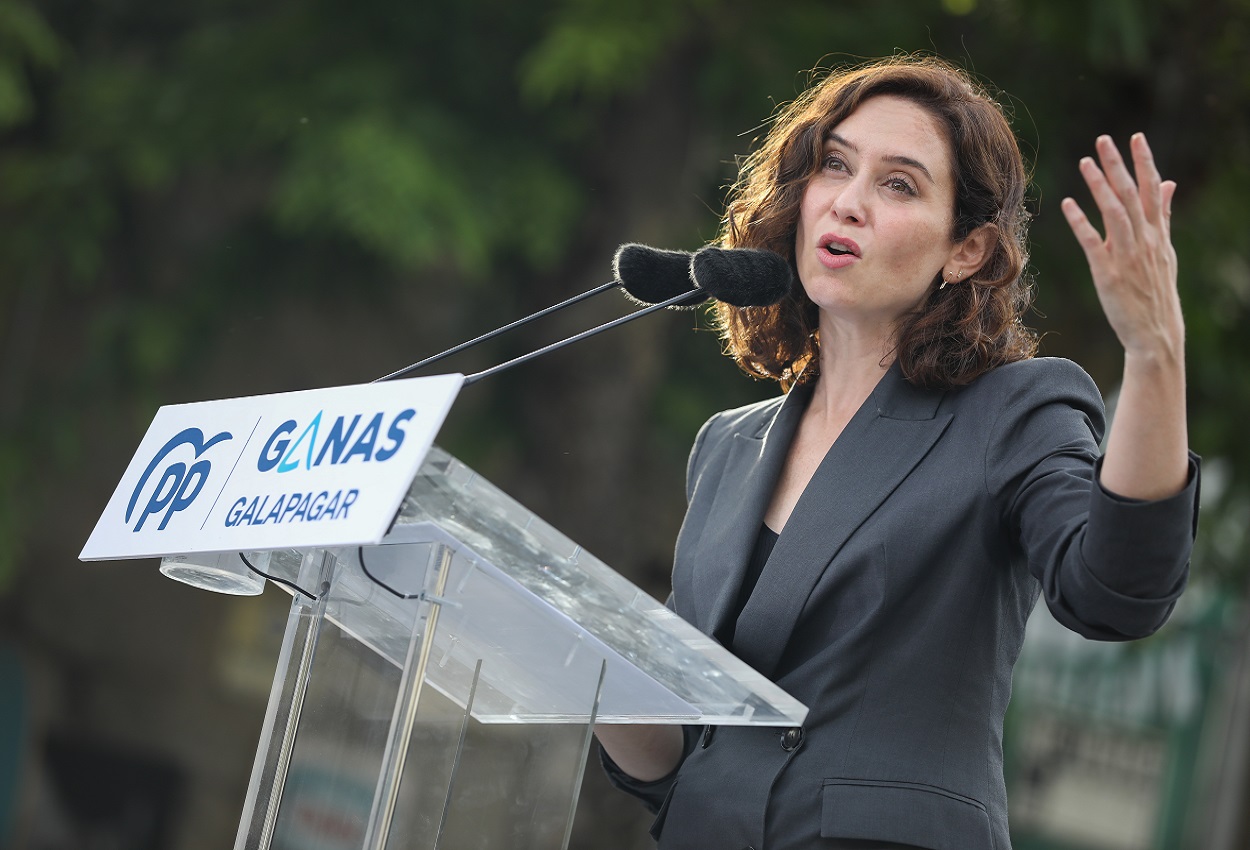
[653, 275]
[743, 277]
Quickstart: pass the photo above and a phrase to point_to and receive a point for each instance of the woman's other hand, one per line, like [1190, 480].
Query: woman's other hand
[1134, 266]
[1134, 269]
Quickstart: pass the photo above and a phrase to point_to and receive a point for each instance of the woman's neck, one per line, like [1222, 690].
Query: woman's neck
[850, 368]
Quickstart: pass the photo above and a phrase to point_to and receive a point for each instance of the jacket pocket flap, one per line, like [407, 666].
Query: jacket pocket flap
[903, 812]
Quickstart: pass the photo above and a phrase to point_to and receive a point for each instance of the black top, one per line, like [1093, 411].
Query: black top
[759, 557]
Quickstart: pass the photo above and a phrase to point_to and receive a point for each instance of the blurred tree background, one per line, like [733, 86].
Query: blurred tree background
[216, 198]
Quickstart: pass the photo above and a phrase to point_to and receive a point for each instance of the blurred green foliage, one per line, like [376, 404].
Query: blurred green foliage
[160, 161]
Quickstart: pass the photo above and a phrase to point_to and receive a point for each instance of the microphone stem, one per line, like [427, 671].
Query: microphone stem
[524, 358]
[407, 370]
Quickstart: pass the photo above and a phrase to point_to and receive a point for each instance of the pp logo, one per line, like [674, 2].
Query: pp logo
[179, 484]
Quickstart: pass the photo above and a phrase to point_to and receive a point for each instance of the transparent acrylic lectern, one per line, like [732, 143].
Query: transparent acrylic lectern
[439, 690]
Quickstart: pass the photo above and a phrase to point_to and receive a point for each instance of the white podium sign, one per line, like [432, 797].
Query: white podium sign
[318, 468]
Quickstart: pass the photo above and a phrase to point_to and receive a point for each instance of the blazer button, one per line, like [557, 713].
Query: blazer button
[791, 739]
[708, 732]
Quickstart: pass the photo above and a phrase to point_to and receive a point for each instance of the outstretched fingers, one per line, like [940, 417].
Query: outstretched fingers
[1132, 261]
[1131, 207]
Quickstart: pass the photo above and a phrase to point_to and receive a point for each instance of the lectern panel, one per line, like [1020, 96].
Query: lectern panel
[362, 750]
[338, 752]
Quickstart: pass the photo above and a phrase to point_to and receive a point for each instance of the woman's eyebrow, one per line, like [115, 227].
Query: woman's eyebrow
[897, 159]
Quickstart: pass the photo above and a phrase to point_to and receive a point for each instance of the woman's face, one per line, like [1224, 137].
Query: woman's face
[875, 221]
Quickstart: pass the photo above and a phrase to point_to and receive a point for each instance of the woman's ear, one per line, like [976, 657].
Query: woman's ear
[972, 252]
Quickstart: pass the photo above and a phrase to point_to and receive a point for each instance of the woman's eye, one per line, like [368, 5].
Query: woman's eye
[833, 162]
[899, 184]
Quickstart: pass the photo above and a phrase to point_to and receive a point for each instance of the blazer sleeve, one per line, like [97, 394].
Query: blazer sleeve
[1110, 568]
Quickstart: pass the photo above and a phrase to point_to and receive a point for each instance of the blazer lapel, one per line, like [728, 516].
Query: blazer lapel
[751, 472]
[883, 442]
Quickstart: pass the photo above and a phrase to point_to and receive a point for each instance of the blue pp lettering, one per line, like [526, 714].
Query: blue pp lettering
[179, 485]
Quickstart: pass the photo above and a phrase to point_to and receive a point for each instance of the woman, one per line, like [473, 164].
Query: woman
[874, 540]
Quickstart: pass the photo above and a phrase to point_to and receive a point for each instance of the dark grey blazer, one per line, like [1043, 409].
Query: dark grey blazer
[894, 602]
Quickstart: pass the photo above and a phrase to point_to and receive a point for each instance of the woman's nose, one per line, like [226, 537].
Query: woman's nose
[849, 202]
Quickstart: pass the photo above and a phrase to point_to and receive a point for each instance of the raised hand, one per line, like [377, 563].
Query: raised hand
[1134, 266]
[1134, 269]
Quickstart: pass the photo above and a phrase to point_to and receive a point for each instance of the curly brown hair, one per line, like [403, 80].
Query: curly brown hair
[960, 332]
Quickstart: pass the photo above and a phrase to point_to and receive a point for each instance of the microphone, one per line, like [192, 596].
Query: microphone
[742, 277]
[651, 275]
